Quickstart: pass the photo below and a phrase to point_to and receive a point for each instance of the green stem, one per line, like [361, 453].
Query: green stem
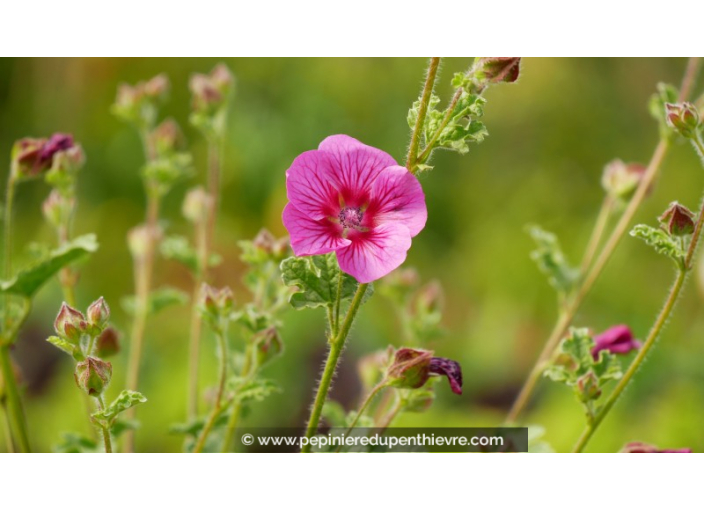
[107, 442]
[338, 300]
[337, 345]
[196, 332]
[597, 233]
[363, 407]
[7, 426]
[422, 110]
[14, 402]
[448, 115]
[635, 365]
[247, 370]
[566, 317]
[217, 407]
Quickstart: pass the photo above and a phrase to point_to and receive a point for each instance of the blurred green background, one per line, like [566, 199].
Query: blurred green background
[550, 135]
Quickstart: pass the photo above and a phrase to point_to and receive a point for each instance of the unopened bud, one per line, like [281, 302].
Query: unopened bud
[108, 343]
[270, 246]
[683, 118]
[99, 313]
[157, 87]
[70, 324]
[497, 69]
[620, 179]
[588, 387]
[677, 220]
[197, 205]
[93, 375]
[217, 302]
[410, 368]
[34, 156]
[268, 345]
[167, 137]
[210, 91]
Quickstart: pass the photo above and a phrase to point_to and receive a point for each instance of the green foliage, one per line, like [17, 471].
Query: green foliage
[552, 261]
[30, 280]
[72, 442]
[179, 249]
[253, 390]
[576, 367]
[124, 401]
[162, 173]
[661, 241]
[317, 279]
[67, 347]
[449, 129]
[158, 300]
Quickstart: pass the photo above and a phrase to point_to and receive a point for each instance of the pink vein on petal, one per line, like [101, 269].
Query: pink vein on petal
[375, 253]
[311, 237]
[397, 196]
[311, 184]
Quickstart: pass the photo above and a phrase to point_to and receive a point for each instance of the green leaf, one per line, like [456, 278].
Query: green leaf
[252, 391]
[158, 300]
[72, 442]
[124, 401]
[30, 280]
[317, 279]
[660, 241]
[67, 347]
[552, 261]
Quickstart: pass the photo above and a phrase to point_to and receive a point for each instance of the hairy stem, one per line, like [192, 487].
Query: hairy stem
[337, 345]
[565, 319]
[247, 371]
[107, 442]
[217, 406]
[422, 110]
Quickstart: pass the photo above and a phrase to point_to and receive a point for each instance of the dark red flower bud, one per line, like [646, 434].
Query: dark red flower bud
[93, 375]
[108, 343]
[678, 220]
[498, 69]
[683, 118]
[70, 324]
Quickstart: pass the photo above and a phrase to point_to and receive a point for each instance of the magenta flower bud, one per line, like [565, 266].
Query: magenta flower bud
[450, 369]
[677, 220]
[498, 69]
[99, 313]
[57, 143]
[70, 324]
[93, 375]
[637, 447]
[108, 343]
[616, 340]
[620, 179]
[683, 118]
[354, 200]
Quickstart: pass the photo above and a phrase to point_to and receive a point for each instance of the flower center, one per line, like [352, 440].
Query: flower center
[351, 217]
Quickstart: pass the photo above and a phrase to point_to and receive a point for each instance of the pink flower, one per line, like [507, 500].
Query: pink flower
[617, 340]
[354, 200]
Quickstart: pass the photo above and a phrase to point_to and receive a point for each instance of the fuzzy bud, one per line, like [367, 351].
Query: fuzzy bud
[93, 375]
[677, 220]
[70, 324]
[167, 137]
[620, 179]
[273, 248]
[683, 118]
[210, 91]
[497, 69]
[108, 343]
[587, 387]
[410, 368]
[268, 345]
[157, 87]
[217, 302]
[99, 313]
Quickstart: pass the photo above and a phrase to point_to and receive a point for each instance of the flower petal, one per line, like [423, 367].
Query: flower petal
[375, 253]
[398, 196]
[356, 165]
[310, 237]
[311, 185]
[449, 368]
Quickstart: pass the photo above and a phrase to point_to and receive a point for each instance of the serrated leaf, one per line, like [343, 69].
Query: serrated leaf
[62, 344]
[660, 241]
[317, 279]
[608, 367]
[552, 261]
[158, 300]
[124, 401]
[30, 280]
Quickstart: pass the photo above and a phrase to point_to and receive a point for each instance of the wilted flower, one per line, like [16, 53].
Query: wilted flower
[354, 200]
[621, 179]
[93, 375]
[34, 156]
[648, 448]
[677, 220]
[411, 368]
[617, 340]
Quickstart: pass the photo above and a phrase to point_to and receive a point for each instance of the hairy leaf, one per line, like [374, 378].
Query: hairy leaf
[552, 261]
[660, 241]
[124, 401]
